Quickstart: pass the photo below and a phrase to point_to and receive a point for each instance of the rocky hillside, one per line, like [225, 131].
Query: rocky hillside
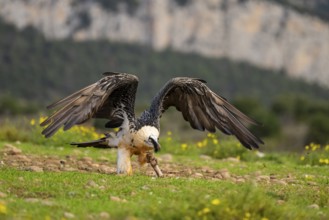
[263, 33]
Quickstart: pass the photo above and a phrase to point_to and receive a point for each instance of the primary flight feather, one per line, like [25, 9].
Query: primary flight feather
[113, 98]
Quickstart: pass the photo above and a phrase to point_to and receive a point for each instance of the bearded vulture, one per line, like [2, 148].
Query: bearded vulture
[113, 98]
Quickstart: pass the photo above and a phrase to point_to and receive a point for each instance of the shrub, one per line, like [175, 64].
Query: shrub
[318, 129]
[11, 132]
[78, 133]
[254, 109]
[315, 154]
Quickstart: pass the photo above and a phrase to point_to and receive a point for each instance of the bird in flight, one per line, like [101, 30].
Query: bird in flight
[113, 98]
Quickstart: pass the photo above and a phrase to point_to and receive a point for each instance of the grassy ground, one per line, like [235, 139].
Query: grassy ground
[45, 181]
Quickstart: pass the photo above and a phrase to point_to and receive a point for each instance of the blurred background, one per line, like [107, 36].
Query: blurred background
[268, 57]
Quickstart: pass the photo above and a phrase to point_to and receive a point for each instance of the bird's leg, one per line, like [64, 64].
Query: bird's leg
[124, 161]
[154, 163]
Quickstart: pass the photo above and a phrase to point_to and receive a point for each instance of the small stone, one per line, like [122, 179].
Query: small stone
[310, 183]
[102, 187]
[91, 183]
[95, 166]
[12, 150]
[89, 159]
[240, 180]
[291, 181]
[47, 203]
[224, 173]
[35, 169]
[21, 158]
[106, 169]
[280, 202]
[282, 182]
[69, 215]
[218, 176]
[145, 187]
[313, 206]
[263, 178]
[232, 159]
[246, 176]
[72, 194]
[3, 195]
[170, 175]
[117, 199]
[272, 176]
[104, 215]
[205, 157]
[198, 175]
[258, 173]
[166, 157]
[32, 200]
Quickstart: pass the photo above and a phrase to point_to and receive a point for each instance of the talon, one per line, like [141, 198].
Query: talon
[154, 163]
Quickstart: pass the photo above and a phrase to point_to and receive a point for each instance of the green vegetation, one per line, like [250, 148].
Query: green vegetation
[53, 69]
[37, 72]
[233, 183]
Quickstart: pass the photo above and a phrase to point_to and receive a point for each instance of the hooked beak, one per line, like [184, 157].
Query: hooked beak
[156, 145]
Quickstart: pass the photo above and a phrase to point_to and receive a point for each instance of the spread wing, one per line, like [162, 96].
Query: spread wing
[204, 109]
[112, 97]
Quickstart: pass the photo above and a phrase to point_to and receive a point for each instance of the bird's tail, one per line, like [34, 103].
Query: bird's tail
[100, 143]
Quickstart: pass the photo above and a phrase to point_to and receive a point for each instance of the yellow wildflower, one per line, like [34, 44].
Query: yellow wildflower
[264, 218]
[215, 202]
[307, 147]
[302, 158]
[327, 147]
[184, 146]
[32, 122]
[3, 208]
[169, 133]
[205, 210]
[215, 141]
[308, 177]
[199, 144]
[42, 119]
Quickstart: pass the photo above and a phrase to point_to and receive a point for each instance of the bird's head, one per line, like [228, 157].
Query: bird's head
[147, 136]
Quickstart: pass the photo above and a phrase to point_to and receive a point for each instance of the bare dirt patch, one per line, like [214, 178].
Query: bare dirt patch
[12, 156]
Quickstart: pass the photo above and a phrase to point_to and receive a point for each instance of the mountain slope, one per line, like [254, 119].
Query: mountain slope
[36, 69]
[263, 33]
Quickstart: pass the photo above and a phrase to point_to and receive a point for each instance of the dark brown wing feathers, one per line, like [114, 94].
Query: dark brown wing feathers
[204, 109]
[113, 93]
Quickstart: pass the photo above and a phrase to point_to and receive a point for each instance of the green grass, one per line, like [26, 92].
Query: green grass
[144, 197]
[87, 195]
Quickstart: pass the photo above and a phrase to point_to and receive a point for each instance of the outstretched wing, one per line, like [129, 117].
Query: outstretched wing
[112, 97]
[204, 109]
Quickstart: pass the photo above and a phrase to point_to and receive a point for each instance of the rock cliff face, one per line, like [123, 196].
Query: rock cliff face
[259, 32]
